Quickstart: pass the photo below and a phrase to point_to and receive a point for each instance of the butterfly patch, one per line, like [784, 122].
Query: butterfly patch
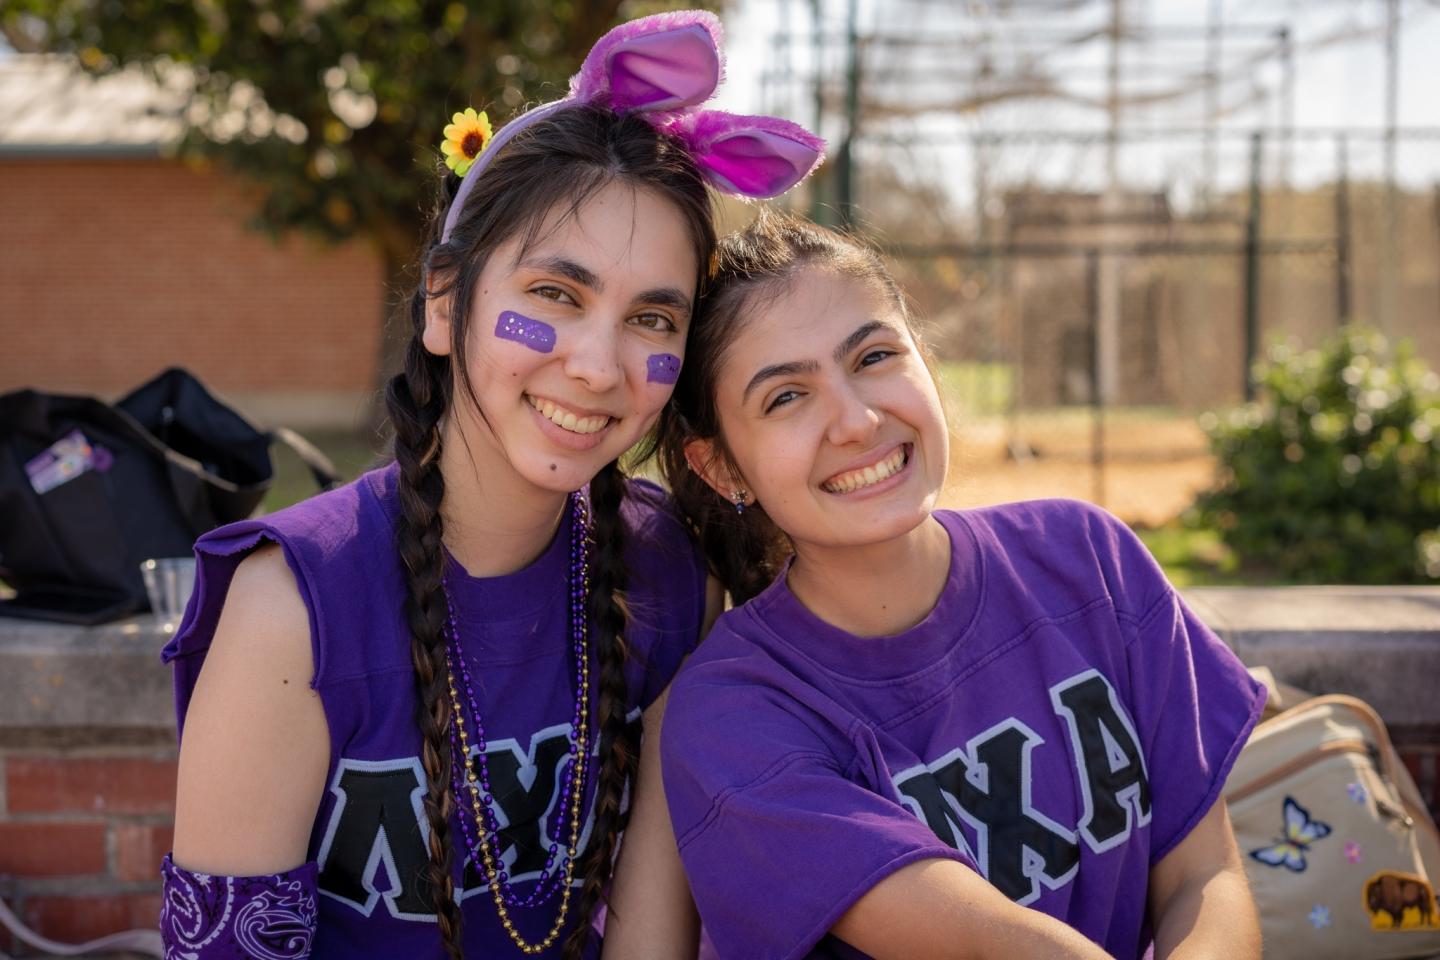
[1300, 831]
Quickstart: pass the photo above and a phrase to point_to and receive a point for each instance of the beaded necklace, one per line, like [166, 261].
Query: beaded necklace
[483, 843]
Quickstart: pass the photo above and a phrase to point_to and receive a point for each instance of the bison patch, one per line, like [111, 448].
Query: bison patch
[1400, 901]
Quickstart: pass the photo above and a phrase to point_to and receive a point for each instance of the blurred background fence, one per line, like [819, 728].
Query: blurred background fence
[1105, 209]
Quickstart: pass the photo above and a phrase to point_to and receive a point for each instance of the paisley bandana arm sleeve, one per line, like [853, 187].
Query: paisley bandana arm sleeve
[209, 917]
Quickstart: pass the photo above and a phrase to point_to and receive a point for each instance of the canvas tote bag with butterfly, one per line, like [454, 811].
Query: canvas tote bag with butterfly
[1341, 853]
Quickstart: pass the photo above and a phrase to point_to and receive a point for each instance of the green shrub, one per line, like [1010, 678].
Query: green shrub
[1334, 475]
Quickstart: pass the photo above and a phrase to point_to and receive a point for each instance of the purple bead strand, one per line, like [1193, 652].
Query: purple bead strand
[550, 879]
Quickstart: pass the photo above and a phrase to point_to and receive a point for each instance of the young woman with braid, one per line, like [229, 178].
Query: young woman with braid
[417, 723]
[989, 733]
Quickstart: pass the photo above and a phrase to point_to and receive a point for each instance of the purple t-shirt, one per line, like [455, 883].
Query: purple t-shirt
[368, 836]
[1044, 725]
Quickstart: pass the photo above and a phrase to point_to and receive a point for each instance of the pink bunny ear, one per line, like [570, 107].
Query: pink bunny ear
[665, 62]
[755, 157]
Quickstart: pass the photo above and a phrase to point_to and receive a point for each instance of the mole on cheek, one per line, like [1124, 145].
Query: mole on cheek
[535, 334]
[552, 466]
[662, 368]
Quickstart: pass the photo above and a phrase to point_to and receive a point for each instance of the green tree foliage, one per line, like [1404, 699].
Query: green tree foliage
[333, 107]
[1334, 475]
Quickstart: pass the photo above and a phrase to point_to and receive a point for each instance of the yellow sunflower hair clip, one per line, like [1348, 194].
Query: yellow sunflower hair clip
[466, 137]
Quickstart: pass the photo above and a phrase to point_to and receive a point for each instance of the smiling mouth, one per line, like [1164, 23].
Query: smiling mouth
[852, 480]
[568, 419]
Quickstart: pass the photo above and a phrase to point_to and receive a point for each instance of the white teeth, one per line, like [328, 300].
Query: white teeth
[855, 479]
[566, 419]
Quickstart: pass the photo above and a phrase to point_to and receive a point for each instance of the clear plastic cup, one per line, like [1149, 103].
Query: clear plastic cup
[168, 582]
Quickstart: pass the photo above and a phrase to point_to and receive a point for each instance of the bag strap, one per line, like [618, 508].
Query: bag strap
[143, 942]
[320, 466]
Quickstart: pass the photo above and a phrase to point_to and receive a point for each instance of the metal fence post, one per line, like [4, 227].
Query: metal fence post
[1252, 266]
[1097, 395]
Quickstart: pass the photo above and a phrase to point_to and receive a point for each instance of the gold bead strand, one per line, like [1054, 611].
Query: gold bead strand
[576, 800]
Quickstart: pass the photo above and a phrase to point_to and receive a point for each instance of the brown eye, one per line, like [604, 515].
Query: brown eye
[553, 294]
[654, 321]
[782, 398]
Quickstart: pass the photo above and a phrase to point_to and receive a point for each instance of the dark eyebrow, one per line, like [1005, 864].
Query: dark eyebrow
[585, 277]
[779, 370]
[810, 366]
[858, 337]
[568, 269]
[667, 297]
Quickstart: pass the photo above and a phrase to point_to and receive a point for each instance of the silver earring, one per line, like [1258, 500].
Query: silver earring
[739, 497]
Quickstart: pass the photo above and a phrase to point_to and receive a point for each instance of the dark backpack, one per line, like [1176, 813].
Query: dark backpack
[89, 489]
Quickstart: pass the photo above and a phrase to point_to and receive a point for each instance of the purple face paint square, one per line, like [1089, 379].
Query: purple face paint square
[535, 334]
[663, 368]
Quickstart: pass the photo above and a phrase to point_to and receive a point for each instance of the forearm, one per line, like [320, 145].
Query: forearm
[651, 912]
[1037, 935]
[941, 910]
[1209, 916]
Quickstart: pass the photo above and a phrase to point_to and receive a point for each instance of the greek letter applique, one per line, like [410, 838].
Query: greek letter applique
[985, 787]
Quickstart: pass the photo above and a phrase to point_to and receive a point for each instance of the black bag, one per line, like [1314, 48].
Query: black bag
[88, 490]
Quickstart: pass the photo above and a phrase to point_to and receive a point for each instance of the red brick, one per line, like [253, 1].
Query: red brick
[139, 848]
[52, 849]
[77, 919]
[173, 275]
[144, 910]
[90, 785]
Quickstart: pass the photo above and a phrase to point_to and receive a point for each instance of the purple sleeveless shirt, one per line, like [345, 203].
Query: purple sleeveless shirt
[369, 832]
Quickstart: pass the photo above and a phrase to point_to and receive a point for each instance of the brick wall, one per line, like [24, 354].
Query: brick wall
[116, 268]
[82, 832]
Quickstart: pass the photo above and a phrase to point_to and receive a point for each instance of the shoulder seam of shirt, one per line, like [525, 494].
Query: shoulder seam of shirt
[717, 805]
[1165, 600]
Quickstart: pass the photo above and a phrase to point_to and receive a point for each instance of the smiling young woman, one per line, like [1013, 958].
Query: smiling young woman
[412, 707]
[925, 733]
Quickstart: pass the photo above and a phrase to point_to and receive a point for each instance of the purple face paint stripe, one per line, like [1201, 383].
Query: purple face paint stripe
[663, 368]
[535, 334]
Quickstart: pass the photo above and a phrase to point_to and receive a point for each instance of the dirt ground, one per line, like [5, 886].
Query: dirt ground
[1154, 464]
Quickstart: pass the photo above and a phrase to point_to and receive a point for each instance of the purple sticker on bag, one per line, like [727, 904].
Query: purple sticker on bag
[535, 334]
[663, 368]
[64, 460]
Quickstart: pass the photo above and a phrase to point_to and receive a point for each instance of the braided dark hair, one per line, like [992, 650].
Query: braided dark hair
[619, 746]
[555, 164]
[746, 550]
[416, 400]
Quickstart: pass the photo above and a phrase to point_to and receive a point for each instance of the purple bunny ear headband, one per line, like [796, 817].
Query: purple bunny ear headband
[663, 68]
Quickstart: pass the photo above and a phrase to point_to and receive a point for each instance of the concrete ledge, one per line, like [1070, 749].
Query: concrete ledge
[1381, 644]
[89, 681]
